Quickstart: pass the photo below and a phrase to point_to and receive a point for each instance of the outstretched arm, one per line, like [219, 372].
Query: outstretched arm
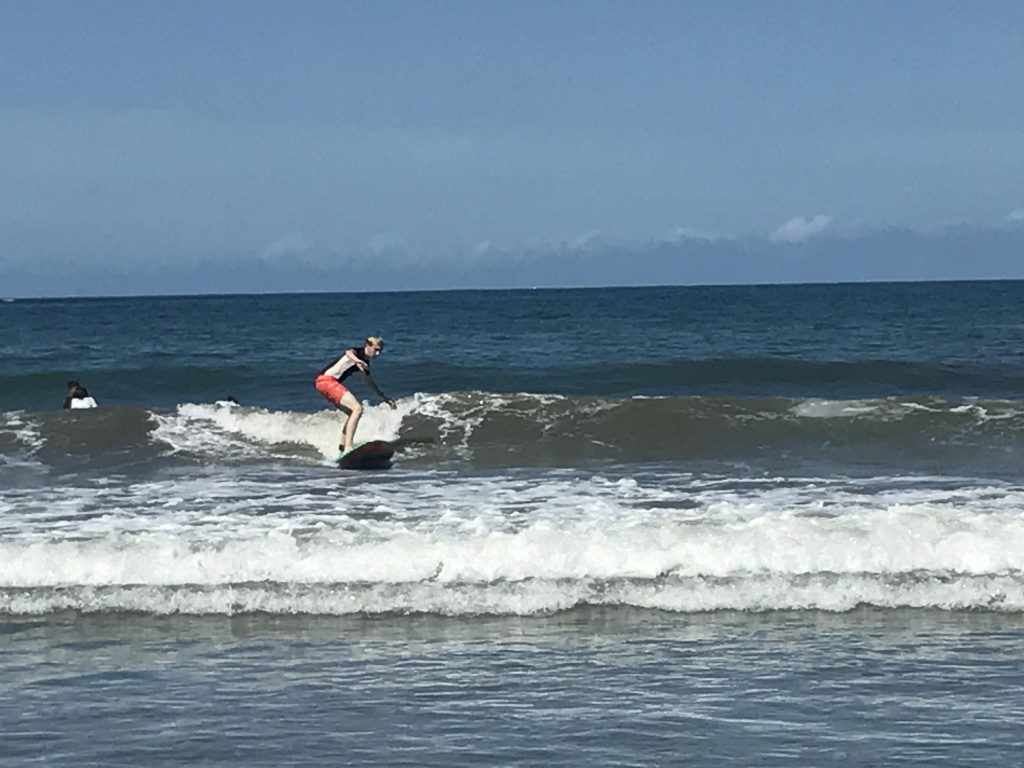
[360, 364]
[375, 388]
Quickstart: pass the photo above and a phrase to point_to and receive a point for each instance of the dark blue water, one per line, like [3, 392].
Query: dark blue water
[827, 341]
[765, 526]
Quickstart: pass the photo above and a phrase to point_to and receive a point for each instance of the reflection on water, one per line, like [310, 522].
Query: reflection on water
[585, 687]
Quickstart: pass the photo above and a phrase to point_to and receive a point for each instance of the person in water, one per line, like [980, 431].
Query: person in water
[329, 384]
[78, 397]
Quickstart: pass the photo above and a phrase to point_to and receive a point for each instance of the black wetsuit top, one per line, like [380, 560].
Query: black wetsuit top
[338, 368]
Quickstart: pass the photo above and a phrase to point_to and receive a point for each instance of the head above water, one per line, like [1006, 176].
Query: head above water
[374, 345]
[72, 385]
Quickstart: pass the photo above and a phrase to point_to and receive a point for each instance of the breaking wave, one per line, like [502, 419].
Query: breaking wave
[935, 555]
[526, 430]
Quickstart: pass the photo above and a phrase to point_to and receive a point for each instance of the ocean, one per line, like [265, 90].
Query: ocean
[702, 526]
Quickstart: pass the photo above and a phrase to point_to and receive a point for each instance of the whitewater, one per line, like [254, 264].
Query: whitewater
[224, 509]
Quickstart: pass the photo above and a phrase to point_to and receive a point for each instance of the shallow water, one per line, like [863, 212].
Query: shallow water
[591, 686]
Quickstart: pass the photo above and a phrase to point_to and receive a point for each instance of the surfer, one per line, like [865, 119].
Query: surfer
[329, 384]
[78, 397]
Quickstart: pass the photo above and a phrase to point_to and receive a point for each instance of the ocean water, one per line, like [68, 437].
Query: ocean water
[773, 525]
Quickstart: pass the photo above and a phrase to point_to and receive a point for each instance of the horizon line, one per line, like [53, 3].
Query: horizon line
[513, 289]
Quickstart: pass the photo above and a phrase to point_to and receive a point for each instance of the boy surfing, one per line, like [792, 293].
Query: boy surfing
[329, 384]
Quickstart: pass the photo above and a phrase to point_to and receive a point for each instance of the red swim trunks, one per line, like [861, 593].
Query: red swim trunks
[330, 387]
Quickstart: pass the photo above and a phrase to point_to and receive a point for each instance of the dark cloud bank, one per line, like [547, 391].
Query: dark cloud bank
[962, 253]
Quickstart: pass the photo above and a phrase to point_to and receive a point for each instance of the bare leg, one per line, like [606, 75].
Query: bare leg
[341, 438]
[350, 403]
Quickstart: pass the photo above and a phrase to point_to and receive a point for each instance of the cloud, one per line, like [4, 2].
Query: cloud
[688, 233]
[800, 229]
[591, 238]
[387, 243]
[1016, 215]
[294, 242]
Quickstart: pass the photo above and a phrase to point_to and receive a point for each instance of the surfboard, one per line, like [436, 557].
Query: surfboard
[375, 454]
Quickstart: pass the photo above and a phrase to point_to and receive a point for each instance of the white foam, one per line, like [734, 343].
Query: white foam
[23, 429]
[463, 545]
[843, 593]
[834, 409]
[899, 540]
[223, 429]
[458, 415]
[27, 439]
[456, 430]
[892, 410]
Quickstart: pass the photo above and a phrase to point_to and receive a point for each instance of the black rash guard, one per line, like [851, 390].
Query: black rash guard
[343, 367]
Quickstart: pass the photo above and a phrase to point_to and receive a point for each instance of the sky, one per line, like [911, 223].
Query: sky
[153, 141]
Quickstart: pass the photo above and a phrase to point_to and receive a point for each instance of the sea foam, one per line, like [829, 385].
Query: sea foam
[468, 546]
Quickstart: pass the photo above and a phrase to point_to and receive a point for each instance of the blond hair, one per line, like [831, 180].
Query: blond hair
[376, 341]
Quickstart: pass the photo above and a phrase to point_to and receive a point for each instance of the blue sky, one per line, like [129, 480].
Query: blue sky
[136, 135]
